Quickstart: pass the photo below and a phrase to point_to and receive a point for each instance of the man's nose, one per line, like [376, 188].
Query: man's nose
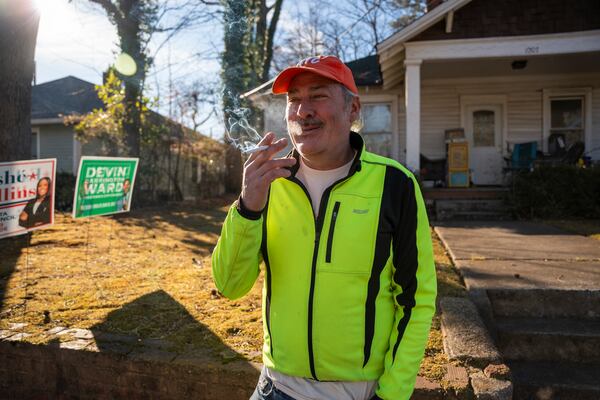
[305, 109]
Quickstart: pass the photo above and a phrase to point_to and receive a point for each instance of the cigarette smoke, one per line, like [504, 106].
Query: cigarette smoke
[239, 132]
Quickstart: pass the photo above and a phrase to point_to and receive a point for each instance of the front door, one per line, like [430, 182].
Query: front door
[484, 133]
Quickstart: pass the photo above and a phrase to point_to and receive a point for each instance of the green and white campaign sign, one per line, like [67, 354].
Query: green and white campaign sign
[104, 186]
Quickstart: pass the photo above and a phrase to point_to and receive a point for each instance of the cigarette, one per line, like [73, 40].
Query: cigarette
[255, 149]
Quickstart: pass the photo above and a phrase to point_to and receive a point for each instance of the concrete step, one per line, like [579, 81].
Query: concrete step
[539, 339]
[471, 205]
[465, 193]
[545, 303]
[552, 380]
[482, 209]
[472, 216]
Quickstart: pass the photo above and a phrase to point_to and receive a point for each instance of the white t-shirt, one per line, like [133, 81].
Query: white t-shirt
[316, 181]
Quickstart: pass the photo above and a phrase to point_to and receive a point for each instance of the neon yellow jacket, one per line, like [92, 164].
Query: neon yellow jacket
[349, 295]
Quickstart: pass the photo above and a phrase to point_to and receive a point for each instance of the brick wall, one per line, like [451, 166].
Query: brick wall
[30, 371]
[486, 18]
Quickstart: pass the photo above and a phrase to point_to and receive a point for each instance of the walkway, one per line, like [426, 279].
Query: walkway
[538, 289]
[516, 254]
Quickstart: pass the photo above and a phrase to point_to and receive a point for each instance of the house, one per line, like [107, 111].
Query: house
[186, 164]
[50, 102]
[507, 72]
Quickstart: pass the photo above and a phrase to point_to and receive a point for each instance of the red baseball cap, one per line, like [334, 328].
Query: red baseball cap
[328, 66]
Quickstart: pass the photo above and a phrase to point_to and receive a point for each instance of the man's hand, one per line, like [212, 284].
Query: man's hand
[260, 170]
[23, 216]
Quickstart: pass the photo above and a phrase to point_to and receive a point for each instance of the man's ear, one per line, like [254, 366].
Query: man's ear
[355, 109]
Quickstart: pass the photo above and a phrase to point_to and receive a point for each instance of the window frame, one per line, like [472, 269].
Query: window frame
[392, 100]
[548, 95]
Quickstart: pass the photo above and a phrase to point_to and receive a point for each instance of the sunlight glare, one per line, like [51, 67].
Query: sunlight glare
[50, 9]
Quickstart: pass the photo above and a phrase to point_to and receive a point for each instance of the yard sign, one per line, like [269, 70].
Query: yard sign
[26, 196]
[104, 186]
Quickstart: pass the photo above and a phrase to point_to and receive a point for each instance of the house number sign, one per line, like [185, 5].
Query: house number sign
[532, 50]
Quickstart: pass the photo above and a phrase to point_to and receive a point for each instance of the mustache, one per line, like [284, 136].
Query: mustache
[306, 122]
[309, 122]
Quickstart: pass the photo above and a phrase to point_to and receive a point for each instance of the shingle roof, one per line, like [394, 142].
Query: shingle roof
[366, 71]
[65, 96]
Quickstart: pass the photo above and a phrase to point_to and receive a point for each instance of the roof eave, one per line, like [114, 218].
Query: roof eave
[250, 94]
[395, 43]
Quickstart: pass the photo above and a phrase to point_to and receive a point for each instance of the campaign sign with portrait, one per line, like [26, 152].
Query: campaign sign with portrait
[104, 186]
[26, 196]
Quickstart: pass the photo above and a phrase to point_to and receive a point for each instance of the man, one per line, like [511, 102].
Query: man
[350, 285]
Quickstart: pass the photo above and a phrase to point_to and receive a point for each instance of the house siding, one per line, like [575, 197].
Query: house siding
[56, 141]
[484, 18]
[440, 108]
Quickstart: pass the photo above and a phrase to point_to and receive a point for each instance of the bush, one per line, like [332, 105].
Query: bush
[65, 188]
[557, 192]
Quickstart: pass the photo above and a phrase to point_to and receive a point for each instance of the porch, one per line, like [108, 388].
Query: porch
[501, 91]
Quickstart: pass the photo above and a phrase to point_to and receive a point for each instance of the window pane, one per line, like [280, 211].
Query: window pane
[377, 118]
[566, 113]
[483, 128]
[377, 128]
[34, 153]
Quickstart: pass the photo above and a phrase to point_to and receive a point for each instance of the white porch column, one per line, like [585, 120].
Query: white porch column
[412, 94]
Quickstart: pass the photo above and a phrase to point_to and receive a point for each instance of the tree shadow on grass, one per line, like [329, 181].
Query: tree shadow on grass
[10, 250]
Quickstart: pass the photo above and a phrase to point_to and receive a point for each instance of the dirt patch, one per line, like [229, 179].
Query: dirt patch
[147, 274]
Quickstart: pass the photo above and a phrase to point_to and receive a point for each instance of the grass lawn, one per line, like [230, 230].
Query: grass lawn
[587, 227]
[147, 274]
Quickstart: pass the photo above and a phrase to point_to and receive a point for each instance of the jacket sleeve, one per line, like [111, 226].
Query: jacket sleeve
[236, 258]
[415, 289]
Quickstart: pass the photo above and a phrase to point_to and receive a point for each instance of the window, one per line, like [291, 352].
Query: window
[377, 128]
[34, 145]
[567, 119]
[483, 128]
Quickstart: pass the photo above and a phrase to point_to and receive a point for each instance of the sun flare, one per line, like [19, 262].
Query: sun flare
[53, 10]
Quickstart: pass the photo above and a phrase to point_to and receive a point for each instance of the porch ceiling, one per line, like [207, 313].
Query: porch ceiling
[493, 67]
[572, 52]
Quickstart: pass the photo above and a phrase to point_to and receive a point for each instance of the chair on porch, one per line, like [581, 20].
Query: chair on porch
[522, 157]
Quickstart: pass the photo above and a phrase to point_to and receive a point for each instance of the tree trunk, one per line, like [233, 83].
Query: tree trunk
[129, 34]
[19, 21]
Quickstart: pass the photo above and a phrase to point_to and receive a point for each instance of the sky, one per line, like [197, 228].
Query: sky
[76, 38]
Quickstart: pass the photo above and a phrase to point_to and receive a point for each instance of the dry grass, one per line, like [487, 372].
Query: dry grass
[449, 284]
[135, 274]
[589, 227]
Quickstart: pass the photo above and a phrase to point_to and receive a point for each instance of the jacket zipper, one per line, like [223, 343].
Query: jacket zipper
[313, 271]
[334, 215]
